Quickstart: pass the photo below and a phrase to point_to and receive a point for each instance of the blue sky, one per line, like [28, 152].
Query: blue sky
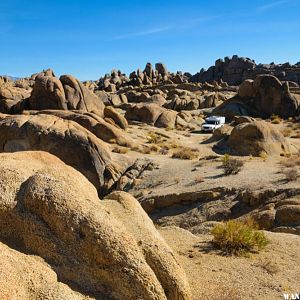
[89, 38]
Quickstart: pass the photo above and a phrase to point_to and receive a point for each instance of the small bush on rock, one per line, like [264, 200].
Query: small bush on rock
[239, 237]
[231, 166]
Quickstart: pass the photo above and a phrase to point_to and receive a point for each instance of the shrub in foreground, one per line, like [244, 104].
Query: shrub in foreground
[231, 165]
[186, 153]
[239, 237]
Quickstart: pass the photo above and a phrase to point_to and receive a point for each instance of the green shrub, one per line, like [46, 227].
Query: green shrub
[231, 166]
[239, 237]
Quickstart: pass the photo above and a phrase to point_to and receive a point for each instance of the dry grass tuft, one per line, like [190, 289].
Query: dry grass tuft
[269, 266]
[177, 180]
[231, 165]
[217, 292]
[239, 237]
[153, 138]
[186, 153]
[286, 132]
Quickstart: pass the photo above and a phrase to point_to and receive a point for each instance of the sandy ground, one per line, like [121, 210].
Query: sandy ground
[204, 173]
[266, 275]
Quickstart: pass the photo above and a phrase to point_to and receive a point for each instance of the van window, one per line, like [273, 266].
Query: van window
[210, 122]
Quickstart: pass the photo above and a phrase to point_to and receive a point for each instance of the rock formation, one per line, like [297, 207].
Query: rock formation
[107, 250]
[255, 138]
[263, 97]
[65, 93]
[237, 69]
[66, 139]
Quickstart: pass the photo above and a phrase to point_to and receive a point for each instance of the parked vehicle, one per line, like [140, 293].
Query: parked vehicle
[212, 123]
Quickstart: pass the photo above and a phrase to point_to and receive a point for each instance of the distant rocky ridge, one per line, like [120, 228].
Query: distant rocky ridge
[231, 70]
[237, 69]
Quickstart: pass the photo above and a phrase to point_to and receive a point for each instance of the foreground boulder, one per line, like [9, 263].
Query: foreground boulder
[105, 131]
[107, 250]
[256, 138]
[27, 277]
[72, 143]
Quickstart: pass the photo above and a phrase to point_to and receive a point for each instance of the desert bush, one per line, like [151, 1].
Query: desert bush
[218, 292]
[153, 138]
[154, 148]
[269, 266]
[239, 237]
[291, 174]
[186, 153]
[231, 165]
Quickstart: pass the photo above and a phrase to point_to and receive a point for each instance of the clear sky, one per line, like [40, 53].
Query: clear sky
[88, 38]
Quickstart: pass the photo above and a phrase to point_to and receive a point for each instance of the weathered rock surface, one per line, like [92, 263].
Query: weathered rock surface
[158, 255]
[98, 126]
[107, 250]
[237, 69]
[263, 97]
[66, 139]
[256, 138]
[12, 92]
[66, 93]
[27, 277]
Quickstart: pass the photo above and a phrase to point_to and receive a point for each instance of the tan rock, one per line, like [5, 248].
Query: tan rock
[119, 120]
[256, 138]
[66, 139]
[51, 210]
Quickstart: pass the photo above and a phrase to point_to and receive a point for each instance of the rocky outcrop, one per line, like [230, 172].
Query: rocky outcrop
[69, 141]
[106, 131]
[263, 97]
[237, 69]
[255, 138]
[273, 97]
[153, 114]
[12, 92]
[107, 250]
[27, 277]
[65, 93]
[148, 77]
[118, 119]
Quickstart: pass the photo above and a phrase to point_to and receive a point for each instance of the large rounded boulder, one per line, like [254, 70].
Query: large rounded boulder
[263, 97]
[255, 138]
[65, 93]
[274, 97]
[68, 140]
[153, 114]
[106, 249]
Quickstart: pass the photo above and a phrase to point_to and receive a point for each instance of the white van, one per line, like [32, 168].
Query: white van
[212, 123]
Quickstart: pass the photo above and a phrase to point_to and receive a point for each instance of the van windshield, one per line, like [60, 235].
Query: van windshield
[211, 122]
